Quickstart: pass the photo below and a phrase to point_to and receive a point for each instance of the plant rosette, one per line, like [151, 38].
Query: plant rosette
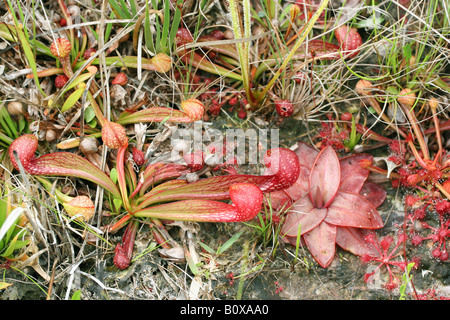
[330, 203]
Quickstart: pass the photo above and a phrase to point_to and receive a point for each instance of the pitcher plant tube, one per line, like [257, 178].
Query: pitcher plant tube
[159, 192]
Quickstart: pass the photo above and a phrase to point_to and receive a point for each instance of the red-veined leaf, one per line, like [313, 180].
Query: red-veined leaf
[247, 200]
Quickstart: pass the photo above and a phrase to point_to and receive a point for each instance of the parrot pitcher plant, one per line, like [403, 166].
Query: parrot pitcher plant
[158, 191]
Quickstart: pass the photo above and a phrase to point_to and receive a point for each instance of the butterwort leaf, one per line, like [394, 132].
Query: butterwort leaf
[353, 240]
[374, 193]
[353, 175]
[325, 177]
[306, 215]
[321, 243]
[352, 210]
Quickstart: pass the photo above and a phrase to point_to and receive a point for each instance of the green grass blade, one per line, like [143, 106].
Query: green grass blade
[117, 9]
[175, 25]
[158, 29]
[148, 36]
[229, 242]
[166, 24]
[23, 39]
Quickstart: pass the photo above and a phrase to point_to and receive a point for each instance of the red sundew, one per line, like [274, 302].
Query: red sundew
[411, 200]
[195, 160]
[88, 53]
[403, 172]
[385, 257]
[436, 253]
[215, 107]
[365, 163]
[343, 135]
[395, 183]
[412, 179]
[431, 294]
[347, 116]
[386, 242]
[420, 213]
[278, 288]
[183, 36]
[392, 284]
[232, 101]
[331, 137]
[396, 159]
[417, 240]
[242, 113]
[230, 277]
[442, 206]
[397, 147]
[439, 237]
